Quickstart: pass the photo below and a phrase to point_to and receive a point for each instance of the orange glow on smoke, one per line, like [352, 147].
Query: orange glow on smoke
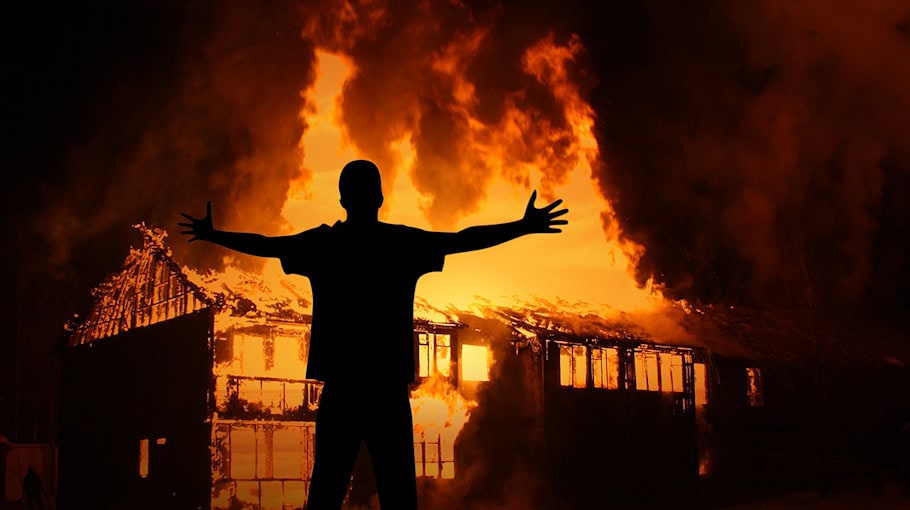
[585, 269]
[582, 267]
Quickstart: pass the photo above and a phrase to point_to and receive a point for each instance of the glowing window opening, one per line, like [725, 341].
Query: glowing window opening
[143, 458]
[701, 388]
[261, 465]
[605, 367]
[434, 456]
[573, 366]
[434, 354]
[646, 371]
[475, 363]
[659, 371]
[671, 372]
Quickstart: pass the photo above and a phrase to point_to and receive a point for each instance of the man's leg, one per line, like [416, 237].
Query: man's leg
[337, 443]
[391, 445]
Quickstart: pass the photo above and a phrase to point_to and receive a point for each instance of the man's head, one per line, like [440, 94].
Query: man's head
[360, 186]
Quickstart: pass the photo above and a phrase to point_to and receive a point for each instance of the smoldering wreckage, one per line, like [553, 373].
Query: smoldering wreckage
[184, 390]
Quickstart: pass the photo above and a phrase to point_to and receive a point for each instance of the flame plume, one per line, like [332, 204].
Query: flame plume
[454, 153]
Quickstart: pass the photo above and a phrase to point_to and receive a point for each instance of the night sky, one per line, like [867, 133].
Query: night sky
[758, 150]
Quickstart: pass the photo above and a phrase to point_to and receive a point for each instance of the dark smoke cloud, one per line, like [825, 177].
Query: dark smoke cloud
[749, 147]
[121, 112]
[755, 147]
[756, 150]
[202, 103]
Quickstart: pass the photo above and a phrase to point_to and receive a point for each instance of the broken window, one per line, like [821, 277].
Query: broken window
[755, 390]
[434, 454]
[475, 363]
[434, 352]
[263, 465]
[573, 365]
[605, 367]
[671, 372]
[659, 371]
[246, 397]
[646, 371]
[312, 391]
[275, 352]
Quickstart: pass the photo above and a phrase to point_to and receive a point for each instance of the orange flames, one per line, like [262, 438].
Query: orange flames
[485, 176]
[439, 413]
[514, 155]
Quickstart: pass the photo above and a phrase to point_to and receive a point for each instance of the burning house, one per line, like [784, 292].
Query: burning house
[184, 389]
[751, 156]
[184, 392]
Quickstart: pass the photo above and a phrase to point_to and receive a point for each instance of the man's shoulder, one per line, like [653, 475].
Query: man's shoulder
[397, 228]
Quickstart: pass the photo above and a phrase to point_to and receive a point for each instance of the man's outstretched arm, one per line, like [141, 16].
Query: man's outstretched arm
[535, 221]
[202, 229]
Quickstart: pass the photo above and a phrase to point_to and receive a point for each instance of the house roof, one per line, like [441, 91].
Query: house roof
[149, 288]
[152, 287]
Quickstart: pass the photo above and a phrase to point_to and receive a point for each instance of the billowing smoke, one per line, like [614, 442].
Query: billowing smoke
[759, 150]
[745, 146]
[756, 151]
[203, 103]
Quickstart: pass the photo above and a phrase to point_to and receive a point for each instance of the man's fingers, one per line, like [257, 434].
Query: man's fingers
[532, 200]
[556, 214]
[208, 209]
[554, 230]
[552, 205]
[559, 222]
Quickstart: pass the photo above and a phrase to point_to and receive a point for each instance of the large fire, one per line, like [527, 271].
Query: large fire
[439, 413]
[585, 269]
[690, 151]
[582, 267]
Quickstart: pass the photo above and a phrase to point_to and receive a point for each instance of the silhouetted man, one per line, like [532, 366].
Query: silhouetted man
[363, 274]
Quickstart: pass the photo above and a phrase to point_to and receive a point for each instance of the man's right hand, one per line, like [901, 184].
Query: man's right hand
[200, 228]
[543, 220]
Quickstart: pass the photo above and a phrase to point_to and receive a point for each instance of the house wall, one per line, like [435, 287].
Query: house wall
[263, 428]
[568, 447]
[500, 452]
[617, 445]
[150, 383]
[807, 432]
